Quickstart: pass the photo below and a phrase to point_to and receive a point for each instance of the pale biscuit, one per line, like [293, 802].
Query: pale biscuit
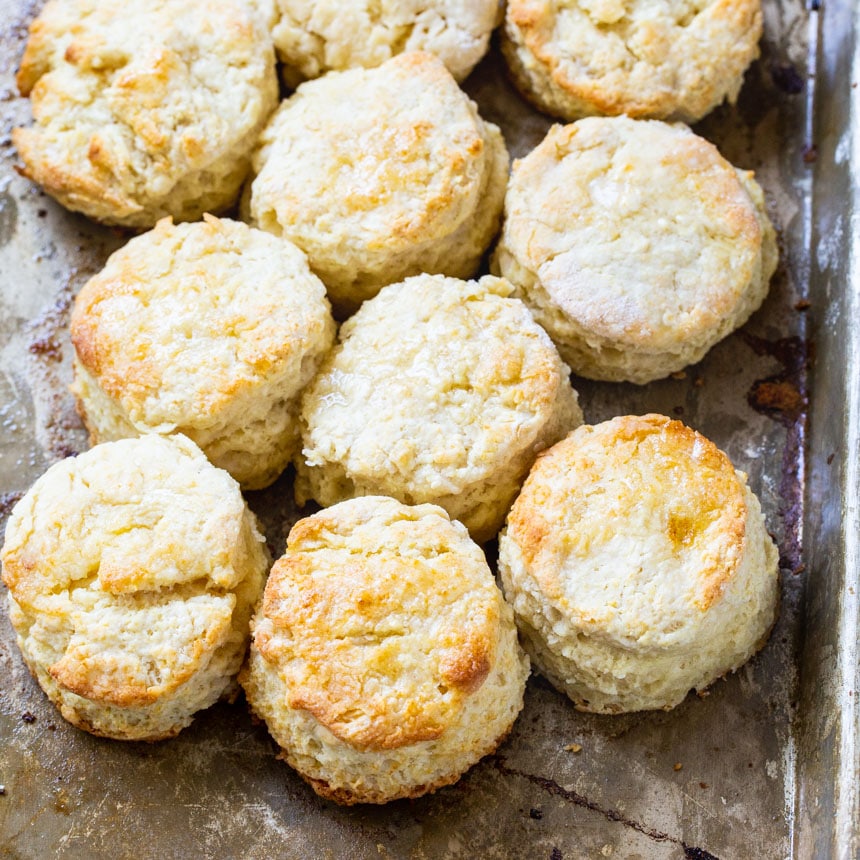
[416, 185]
[440, 391]
[145, 109]
[208, 329]
[314, 38]
[636, 245]
[133, 571]
[638, 564]
[659, 59]
[384, 660]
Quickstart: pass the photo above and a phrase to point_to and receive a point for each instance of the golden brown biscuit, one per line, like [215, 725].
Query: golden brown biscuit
[144, 109]
[659, 59]
[133, 570]
[636, 245]
[208, 329]
[638, 564]
[440, 391]
[415, 186]
[384, 660]
[314, 38]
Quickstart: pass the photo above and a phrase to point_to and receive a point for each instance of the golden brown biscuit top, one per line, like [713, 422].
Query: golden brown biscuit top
[128, 98]
[186, 317]
[632, 527]
[383, 157]
[434, 385]
[313, 38]
[381, 618]
[134, 548]
[638, 230]
[644, 58]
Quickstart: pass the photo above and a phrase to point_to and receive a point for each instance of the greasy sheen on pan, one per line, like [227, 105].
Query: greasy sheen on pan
[638, 564]
[384, 660]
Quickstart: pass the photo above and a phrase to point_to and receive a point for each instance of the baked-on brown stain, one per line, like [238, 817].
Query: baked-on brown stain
[784, 397]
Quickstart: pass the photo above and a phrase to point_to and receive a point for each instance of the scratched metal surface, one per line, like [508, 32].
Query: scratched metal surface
[749, 770]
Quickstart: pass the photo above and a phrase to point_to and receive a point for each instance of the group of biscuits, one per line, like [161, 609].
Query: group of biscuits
[385, 660]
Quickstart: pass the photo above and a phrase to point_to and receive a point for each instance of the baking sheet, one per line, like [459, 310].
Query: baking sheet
[753, 769]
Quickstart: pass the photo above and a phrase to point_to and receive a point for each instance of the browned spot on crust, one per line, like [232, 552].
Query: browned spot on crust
[466, 667]
[699, 480]
[680, 530]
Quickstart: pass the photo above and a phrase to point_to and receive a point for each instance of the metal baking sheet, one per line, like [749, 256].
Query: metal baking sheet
[765, 765]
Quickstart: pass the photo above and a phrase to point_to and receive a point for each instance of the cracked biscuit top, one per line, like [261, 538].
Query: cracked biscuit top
[210, 329]
[384, 660]
[439, 391]
[638, 564]
[662, 59]
[132, 571]
[636, 245]
[416, 185]
[383, 618]
[144, 109]
[313, 38]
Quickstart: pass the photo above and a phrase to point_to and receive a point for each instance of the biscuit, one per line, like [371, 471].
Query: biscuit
[638, 565]
[133, 571]
[636, 245]
[658, 59]
[312, 39]
[439, 391]
[208, 329]
[416, 185]
[145, 109]
[384, 660]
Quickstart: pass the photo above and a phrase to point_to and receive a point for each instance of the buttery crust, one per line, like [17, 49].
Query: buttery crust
[129, 135]
[133, 571]
[312, 39]
[658, 59]
[638, 564]
[416, 186]
[439, 391]
[633, 282]
[384, 660]
[208, 329]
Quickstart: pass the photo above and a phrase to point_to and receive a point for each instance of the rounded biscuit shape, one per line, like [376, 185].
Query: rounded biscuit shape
[208, 329]
[658, 59]
[416, 186]
[636, 245]
[439, 391]
[314, 38]
[638, 565]
[384, 660]
[133, 570]
[147, 109]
